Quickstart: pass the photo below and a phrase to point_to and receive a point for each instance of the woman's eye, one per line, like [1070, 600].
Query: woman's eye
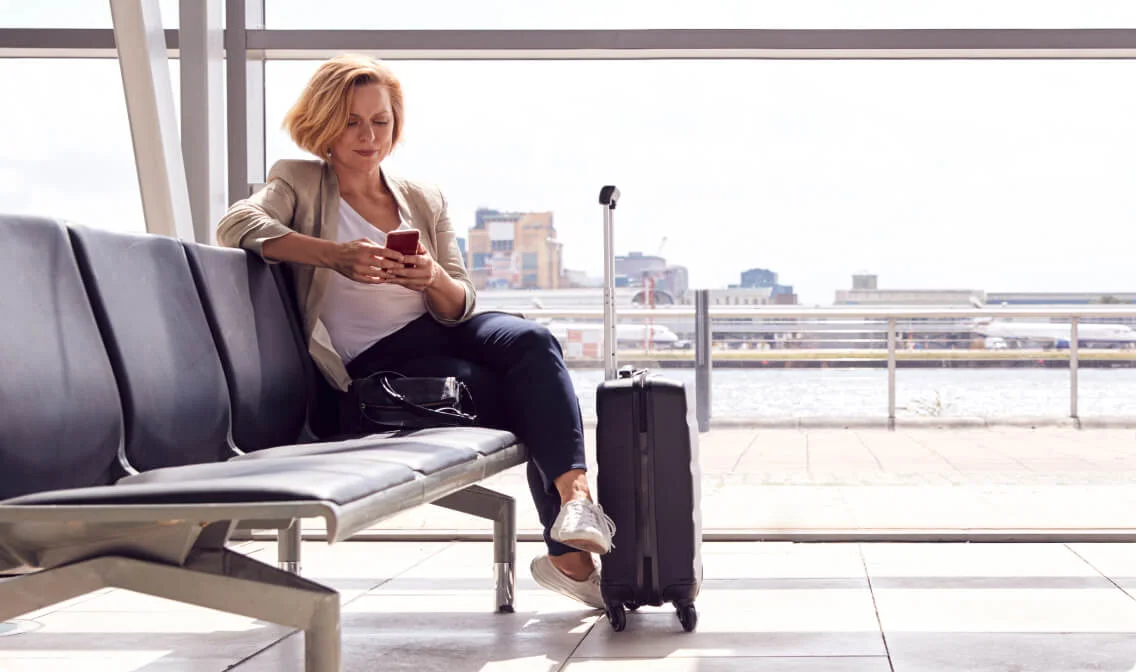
[352, 123]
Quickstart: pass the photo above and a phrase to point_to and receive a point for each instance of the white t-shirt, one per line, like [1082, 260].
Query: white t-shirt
[358, 315]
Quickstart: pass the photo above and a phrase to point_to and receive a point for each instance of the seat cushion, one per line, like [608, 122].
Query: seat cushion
[484, 441]
[174, 397]
[426, 451]
[262, 352]
[60, 418]
[424, 458]
[337, 480]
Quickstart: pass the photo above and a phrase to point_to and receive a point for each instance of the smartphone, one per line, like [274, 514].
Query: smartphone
[403, 240]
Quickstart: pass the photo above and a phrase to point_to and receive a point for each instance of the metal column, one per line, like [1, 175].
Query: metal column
[245, 90]
[1074, 365]
[201, 47]
[144, 61]
[891, 373]
[703, 357]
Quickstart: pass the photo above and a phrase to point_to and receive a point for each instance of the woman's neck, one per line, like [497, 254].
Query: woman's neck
[360, 183]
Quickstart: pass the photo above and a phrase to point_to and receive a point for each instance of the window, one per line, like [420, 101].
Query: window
[845, 164]
[71, 14]
[631, 14]
[70, 158]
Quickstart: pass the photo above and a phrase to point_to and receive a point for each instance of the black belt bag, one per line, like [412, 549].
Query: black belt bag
[391, 400]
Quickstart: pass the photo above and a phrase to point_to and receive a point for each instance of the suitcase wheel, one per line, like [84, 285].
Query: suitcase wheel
[616, 615]
[687, 615]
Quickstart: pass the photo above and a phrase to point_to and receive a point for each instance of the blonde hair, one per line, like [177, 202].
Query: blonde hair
[319, 116]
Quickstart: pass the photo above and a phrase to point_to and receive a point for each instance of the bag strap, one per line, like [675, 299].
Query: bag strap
[446, 415]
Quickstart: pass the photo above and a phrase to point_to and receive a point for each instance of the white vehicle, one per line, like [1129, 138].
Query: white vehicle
[1053, 334]
[995, 343]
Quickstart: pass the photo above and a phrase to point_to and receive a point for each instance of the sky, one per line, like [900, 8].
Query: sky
[995, 175]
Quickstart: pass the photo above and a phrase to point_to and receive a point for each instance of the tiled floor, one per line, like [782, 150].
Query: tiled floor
[764, 607]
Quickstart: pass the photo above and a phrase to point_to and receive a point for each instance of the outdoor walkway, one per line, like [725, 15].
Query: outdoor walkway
[778, 480]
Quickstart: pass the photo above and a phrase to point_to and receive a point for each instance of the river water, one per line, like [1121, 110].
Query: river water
[985, 393]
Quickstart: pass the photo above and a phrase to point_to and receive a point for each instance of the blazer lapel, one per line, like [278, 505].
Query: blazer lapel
[327, 228]
[398, 189]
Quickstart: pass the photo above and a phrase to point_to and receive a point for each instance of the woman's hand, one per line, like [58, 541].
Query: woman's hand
[359, 260]
[413, 271]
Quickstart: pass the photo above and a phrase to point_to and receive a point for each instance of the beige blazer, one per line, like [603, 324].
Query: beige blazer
[303, 196]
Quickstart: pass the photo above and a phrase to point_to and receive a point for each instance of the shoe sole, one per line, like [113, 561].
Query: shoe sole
[556, 588]
[585, 545]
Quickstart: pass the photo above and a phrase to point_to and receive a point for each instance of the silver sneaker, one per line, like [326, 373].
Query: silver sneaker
[583, 525]
[548, 576]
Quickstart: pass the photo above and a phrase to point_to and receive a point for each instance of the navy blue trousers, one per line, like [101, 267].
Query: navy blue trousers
[514, 369]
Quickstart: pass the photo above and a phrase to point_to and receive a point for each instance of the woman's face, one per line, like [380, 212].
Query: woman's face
[369, 134]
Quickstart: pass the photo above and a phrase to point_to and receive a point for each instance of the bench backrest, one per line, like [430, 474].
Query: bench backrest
[174, 397]
[60, 419]
[259, 345]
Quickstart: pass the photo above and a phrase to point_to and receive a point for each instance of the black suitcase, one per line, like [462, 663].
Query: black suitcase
[648, 479]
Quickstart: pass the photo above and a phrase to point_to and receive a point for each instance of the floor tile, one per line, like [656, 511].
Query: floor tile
[450, 632]
[748, 623]
[200, 633]
[933, 560]
[104, 661]
[1016, 652]
[750, 664]
[1117, 561]
[735, 560]
[999, 610]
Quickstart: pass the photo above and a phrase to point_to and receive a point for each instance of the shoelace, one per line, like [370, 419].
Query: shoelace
[595, 517]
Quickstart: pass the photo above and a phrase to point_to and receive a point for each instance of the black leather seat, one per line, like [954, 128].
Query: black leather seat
[120, 398]
[60, 421]
[84, 297]
[247, 314]
[341, 481]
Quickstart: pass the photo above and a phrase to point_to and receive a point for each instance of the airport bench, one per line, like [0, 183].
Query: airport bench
[154, 398]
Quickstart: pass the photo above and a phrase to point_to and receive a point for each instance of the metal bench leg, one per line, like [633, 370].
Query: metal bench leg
[288, 548]
[482, 502]
[217, 578]
[505, 554]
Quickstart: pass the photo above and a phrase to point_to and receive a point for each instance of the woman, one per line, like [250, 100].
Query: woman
[367, 308]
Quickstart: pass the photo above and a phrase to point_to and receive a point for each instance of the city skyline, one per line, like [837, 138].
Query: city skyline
[1005, 174]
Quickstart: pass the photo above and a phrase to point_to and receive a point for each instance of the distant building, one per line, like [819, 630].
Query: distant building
[908, 297]
[764, 278]
[1066, 298]
[636, 265]
[735, 296]
[1058, 298]
[514, 250]
[759, 277]
[571, 279]
[865, 292]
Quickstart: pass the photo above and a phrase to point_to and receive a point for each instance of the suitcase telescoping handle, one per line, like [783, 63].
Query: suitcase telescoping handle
[609, 195]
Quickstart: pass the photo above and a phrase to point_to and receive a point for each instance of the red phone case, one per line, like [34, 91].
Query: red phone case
[405, 242]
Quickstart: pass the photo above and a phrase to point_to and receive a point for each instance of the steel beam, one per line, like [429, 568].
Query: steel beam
[144, 62]
[202, 64]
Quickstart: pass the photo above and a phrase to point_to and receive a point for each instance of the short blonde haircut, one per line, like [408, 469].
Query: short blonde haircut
[319, 116]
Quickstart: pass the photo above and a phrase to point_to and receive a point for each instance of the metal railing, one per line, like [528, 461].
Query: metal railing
[889, 319]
